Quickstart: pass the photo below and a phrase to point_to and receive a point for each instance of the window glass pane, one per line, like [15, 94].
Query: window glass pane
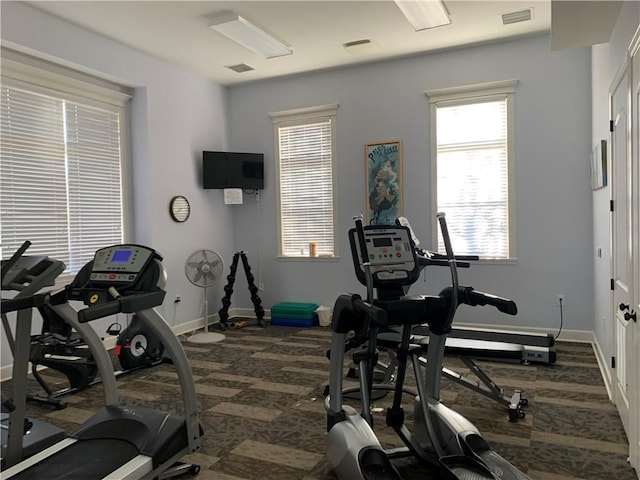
[472, 177]
[95, 197]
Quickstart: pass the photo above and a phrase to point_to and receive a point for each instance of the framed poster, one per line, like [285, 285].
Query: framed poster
[383, 167]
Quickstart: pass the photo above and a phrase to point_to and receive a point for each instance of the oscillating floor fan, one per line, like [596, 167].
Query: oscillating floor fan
[204, 268]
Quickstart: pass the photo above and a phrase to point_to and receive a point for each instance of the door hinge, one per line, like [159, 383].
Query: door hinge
[613, 362]
[611, 206]
[612, 284]
[611, 125]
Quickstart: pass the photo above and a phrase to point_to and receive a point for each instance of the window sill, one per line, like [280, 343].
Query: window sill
[495, 261]
[302, 258]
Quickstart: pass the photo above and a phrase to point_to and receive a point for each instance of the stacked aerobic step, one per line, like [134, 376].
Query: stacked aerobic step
[290, 314]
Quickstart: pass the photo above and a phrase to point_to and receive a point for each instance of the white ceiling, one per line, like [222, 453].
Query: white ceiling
[177, 31]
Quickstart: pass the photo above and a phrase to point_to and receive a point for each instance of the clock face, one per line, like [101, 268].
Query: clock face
[179, 208]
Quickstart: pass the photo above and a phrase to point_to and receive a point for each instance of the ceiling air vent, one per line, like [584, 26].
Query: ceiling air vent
[240, 68]
[516, 17]
[360, 47]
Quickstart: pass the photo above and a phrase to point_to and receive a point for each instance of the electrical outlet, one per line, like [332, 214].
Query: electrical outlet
[261, 287]
[560, 300]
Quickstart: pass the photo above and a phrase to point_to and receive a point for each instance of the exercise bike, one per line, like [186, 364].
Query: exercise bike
[58, 346]
[440, 438]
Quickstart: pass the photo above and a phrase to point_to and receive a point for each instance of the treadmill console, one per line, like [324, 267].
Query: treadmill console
[119, 270]
[120, 264]
[390, 253]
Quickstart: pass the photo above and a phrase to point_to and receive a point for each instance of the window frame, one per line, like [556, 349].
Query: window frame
[301, 116]
[40, 76]
[466, 95]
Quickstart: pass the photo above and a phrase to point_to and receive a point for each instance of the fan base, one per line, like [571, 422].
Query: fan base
[206, 337]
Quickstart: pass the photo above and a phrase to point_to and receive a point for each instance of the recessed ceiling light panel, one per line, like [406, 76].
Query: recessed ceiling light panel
[424, 14]
[250, 36]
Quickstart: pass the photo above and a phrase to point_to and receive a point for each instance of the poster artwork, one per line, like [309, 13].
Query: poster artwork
[384, 182]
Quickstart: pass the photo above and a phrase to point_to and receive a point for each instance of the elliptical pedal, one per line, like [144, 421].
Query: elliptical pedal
[461, 467]
[375, 465]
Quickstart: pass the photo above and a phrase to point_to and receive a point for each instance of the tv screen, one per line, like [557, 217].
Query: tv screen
[232, 170]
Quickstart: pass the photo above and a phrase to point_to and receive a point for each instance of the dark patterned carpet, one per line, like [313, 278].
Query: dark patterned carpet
[260, 395]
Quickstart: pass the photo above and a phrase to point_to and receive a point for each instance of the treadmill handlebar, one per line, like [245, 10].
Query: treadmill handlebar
[99, 311]
[7, 264]
[23, 303]
[123, 304]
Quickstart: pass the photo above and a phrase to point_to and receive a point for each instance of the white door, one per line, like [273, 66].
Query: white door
[625, 108]
[622, 243]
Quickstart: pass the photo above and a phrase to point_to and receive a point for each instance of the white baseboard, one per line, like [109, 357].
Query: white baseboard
[604, 368]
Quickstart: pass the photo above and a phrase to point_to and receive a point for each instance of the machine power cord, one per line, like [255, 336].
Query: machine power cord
[561, 319]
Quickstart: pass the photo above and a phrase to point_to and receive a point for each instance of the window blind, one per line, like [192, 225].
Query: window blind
[60, 175]
[472, 176]
[306, 187]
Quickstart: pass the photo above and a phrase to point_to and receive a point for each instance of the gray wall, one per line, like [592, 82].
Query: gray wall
[176, 115]
[607, 60]
[385, 101]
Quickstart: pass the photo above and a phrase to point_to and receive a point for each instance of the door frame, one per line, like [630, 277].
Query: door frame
[634, 94]
[619, 91]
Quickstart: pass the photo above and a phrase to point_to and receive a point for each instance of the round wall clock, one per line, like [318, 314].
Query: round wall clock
[179, 208]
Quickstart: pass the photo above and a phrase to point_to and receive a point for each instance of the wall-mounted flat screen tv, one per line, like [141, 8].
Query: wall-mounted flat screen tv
[232, 170]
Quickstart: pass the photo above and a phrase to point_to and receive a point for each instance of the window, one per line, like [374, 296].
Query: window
[61, 164]
[472, 144]
[305, 153]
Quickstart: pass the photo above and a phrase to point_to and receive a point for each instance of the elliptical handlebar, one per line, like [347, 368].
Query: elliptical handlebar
[348, 312]
[426, 260]
[474, 298]
[364, 255]
[376, 315]
[453, 305]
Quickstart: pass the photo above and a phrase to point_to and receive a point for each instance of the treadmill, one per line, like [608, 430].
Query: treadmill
[490, 344]
[22, 437]
[119, 442]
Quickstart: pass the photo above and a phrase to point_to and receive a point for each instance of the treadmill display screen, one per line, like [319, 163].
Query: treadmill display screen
[382, 242]
[121, 256]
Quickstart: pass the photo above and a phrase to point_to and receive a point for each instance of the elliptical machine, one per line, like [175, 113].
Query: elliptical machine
[440, 437]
